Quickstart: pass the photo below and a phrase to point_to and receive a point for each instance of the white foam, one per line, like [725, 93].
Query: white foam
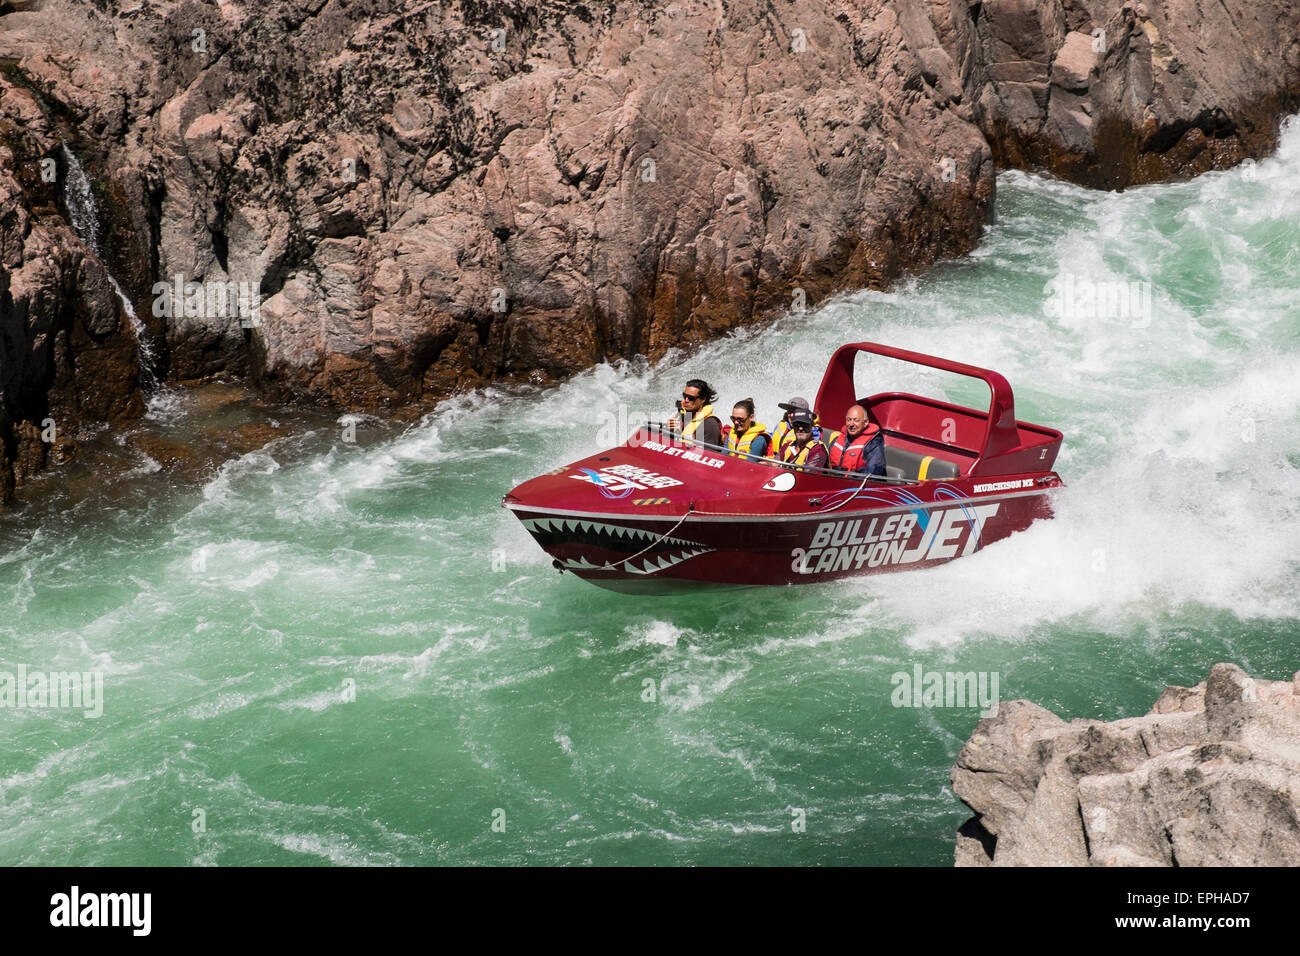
[222, 704]
[335, 849]
[258, 462]
[317, 702]
[167, 405]
[660, 633]
[687, 692]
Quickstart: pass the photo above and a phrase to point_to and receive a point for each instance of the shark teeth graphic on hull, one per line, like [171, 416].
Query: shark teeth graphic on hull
[659, 555]
[663, 563]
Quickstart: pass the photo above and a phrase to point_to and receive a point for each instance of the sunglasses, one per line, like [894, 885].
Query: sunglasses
[690, 398]
[738, 418]
[803, 428]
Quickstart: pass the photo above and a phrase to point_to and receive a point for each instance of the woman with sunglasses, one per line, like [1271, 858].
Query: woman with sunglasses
[744, 436]
[695, 418]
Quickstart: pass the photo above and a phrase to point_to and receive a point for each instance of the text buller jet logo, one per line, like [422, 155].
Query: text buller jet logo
[609, 487]
[619, 481]
[102, 909]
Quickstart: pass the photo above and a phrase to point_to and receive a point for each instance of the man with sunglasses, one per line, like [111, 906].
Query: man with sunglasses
[803, 450]
[695, 418]
[782, 436]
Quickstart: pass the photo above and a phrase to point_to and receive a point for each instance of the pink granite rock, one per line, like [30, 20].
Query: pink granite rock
[1210, 777]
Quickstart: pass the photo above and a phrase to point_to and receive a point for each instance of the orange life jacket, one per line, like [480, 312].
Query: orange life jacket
[846, 453]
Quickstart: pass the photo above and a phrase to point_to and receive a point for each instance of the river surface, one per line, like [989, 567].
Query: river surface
[336, 651]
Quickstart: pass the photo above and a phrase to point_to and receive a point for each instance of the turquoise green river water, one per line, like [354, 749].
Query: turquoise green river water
[348, 653]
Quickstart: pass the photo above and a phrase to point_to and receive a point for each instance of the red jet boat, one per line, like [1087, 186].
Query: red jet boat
[661, 511]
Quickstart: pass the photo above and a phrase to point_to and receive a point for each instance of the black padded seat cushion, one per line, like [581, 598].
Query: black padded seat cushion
[908, 465]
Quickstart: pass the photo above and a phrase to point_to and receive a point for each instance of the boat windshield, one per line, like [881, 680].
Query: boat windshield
[661, 433]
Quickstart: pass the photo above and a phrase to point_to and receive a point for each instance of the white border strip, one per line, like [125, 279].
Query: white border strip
[747, 519]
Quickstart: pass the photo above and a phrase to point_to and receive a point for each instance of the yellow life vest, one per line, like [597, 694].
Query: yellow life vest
[825, 436]
[802, 457]
[741, 446]
[694, 423]
[782, 436]
[779, 435]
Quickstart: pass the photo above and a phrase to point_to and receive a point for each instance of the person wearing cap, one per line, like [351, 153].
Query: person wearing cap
[782, 436]
[802, 449]
[695, 418]
[861, 447]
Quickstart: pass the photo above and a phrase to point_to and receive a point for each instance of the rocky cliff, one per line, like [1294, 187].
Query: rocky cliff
[431, 195]
[68, 357]
[1114, 94]
[1210, 777]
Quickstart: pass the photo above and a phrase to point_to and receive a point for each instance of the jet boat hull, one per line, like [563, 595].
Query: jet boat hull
[728, 529]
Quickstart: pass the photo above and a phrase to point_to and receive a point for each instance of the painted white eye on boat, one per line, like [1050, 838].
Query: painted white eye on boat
[782, 482]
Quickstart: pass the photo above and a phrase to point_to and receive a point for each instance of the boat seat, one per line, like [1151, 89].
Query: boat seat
[900, 463]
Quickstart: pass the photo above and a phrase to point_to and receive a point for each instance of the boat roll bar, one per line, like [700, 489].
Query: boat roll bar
[836, 395]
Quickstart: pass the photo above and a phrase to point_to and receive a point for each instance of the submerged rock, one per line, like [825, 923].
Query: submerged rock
[1209, 777]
